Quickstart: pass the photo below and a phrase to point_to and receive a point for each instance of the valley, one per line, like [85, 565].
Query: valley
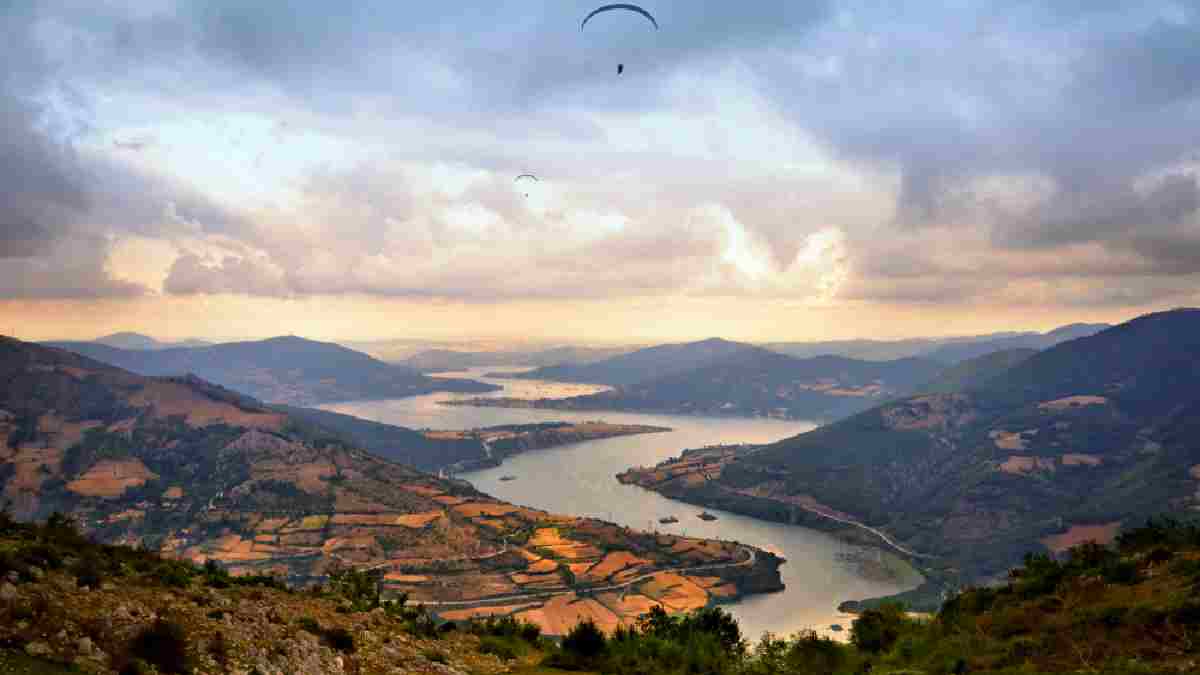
[200, 473]
[820, 571]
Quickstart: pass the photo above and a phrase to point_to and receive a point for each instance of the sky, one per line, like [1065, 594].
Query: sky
[775, 170]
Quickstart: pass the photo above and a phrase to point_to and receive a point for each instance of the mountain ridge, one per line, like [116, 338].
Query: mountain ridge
[284, 369]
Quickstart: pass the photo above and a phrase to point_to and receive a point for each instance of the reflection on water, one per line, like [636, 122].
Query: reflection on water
[579, 479]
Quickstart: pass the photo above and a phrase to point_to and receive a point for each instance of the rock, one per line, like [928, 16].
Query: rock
[8, 592]
[38, 649]
[85, 646]
[36, 573]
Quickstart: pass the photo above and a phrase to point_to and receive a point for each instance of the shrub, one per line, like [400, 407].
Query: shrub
[307, 623]
[585, 640]
[876, 630]
[435, 656]
[164, 646]
[340, 639]
[505, 648]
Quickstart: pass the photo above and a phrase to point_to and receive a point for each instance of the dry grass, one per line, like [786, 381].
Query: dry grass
[110, 478]
[613, 563]
[1072, 402]
[1021, 465]
[168, 399]
[1078, 534]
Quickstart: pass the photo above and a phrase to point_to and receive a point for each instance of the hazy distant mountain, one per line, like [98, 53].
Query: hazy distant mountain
[956, 353]
[442, 360]
[878, 350]
[281, 370]
[759, 382]
[644, 364]
[948, 350]
[129, 340]
[746, 381]
[1096, 431]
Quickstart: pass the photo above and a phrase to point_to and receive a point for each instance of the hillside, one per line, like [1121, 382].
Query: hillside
[444, 360]
[69, 605]
[754, 382]
[458, 450]
[974, 373]
[288, 370]
[959, 352]
[642, 365]
[196, 471]
[878, 350]
[1071, 442]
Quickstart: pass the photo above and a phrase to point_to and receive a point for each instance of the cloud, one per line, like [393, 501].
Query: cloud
[829, 151]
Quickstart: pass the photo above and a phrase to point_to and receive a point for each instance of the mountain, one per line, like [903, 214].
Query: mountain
[959, 352]
[128, 340]
[443, 360]
[949, 350]
[1076, 440]
[749, 381]
[644, 364]
[284, 370]
[198, 472]
[398, 444]
[878, 350]
[459, 451]
[974, 373]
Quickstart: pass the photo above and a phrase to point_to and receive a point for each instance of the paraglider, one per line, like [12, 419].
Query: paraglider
[622, 6]
[619, 5]
[527, 177]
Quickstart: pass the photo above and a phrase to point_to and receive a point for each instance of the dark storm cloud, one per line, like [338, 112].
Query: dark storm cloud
[58, 205]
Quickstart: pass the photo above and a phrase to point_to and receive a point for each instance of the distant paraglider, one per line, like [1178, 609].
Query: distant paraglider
[619, 5]
[622, 6]
[526, 177]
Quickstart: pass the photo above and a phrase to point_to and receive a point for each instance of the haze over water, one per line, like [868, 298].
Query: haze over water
[579, 479]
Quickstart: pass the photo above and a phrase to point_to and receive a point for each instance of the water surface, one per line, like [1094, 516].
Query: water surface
[579, 479]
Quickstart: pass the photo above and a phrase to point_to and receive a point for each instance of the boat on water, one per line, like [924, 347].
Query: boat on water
[706, 516]
[668, 520]
[508, 478]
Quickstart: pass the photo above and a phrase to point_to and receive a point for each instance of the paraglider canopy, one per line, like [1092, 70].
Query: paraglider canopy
[526, 176]
[623, 6]
[620, 5]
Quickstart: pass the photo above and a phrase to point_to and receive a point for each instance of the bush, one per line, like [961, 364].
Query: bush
[164, 646]
[876, 630]
[309, 624]
[435, 656]
[505, 648]
[340, 639]
[585, 641]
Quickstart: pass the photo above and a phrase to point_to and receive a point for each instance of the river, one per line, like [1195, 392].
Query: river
[579, 479]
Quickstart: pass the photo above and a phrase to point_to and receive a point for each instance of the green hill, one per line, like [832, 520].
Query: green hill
[976, 372]
[1077, 439]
